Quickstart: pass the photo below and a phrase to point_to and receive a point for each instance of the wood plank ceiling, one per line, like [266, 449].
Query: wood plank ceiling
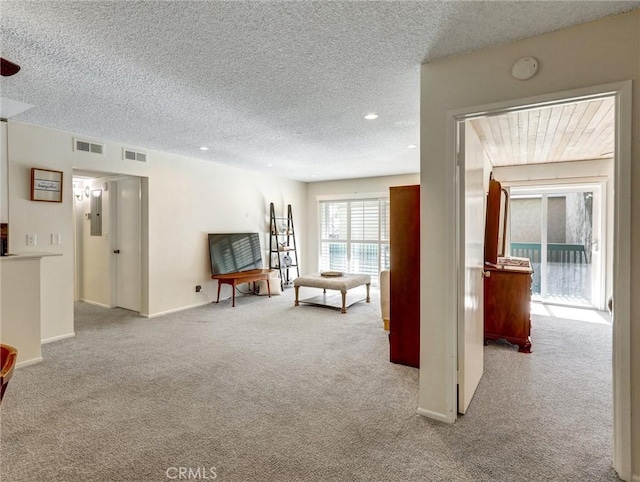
[568, 132]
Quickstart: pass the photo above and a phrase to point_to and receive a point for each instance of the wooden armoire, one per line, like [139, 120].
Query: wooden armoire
[507, 282]
[404, 276]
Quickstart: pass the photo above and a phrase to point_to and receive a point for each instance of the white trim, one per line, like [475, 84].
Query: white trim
[622, 285]
[57, 338]
[537, 101]
[175, 310]
[26, 363]
[95, 303]
[622, 247]
[460, 247]
[635, 478]
[353, 195]
[544, 220]
[601, 215]
[557, 187]
[450, 278]
[440, 417]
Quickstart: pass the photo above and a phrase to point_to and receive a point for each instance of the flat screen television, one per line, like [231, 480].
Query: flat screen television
[234, 252]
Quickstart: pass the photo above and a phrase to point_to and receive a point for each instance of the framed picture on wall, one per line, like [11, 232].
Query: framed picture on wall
[46, 185]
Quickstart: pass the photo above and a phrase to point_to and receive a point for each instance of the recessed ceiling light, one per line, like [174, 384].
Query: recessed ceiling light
[313, 175]
[371, 116]
[411, 146]
[204, 148]
[269, 165]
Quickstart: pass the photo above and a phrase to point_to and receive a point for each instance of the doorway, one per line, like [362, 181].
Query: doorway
[621, 95]
[108, 240]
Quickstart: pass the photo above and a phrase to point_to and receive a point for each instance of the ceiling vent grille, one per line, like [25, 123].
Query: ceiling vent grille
[129, 155]
[87, 146]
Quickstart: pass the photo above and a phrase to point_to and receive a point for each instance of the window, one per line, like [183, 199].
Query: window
[354, 236]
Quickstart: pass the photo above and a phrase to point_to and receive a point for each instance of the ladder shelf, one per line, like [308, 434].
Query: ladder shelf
[283, 253]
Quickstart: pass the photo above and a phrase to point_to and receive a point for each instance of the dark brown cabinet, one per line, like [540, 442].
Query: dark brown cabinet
[404, 276]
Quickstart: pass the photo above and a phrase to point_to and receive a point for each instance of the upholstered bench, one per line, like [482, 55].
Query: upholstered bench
[339, 283]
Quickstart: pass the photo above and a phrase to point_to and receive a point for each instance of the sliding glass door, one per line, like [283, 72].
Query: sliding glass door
[559, 228]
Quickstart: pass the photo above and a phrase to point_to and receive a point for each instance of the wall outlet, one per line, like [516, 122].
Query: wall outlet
[32, 240]
[198, 288]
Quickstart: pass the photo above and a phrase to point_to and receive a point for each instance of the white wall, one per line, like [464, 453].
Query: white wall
[95, 252]
[538, 174]
[593, 54]
[4, 184]
[20, 306]
[187, 198]
[340, 189]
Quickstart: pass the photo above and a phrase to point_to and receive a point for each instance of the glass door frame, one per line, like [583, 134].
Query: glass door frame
[599, 224]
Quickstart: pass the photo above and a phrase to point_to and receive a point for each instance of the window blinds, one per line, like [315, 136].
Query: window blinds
[354, 236]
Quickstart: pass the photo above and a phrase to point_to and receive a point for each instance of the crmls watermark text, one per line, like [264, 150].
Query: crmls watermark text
[192, 473]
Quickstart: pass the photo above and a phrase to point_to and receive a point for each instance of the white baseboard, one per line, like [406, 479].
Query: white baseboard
[635, 478]
[57, 338]
[26, 363]
[175, 310]
[440, 417]
[95, 303]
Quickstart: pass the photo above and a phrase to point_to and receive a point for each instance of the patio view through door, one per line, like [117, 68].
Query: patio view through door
[559, 228]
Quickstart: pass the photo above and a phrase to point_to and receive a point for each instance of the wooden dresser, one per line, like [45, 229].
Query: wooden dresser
[404, 276]
[507, 282]
[507, 299]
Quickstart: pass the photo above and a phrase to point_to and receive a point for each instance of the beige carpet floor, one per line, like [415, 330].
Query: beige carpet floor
[269, 392]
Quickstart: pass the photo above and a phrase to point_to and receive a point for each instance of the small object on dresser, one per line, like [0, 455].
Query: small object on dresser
[331, 274]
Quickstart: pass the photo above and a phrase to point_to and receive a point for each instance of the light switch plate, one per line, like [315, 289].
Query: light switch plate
[32, 240]
[55, 238]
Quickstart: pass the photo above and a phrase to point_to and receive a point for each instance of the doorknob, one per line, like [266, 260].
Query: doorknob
[116, 251]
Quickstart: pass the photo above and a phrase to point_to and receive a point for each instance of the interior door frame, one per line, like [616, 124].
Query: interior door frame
[621, 91]
[144, 240]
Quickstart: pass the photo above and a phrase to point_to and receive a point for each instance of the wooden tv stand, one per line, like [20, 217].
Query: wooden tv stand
[234, 279]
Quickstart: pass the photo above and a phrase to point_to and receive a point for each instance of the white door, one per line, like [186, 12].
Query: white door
[470, 281]
[128, 245]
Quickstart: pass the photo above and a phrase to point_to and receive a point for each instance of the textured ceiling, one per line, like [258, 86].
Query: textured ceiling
[285, 84]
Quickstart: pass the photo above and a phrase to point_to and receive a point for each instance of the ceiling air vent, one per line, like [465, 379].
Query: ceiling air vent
[129, 155]
[86, 146]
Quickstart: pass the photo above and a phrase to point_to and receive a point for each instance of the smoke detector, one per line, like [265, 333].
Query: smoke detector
[525, 68]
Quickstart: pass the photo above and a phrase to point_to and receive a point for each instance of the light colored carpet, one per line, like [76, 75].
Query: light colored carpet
[269, 392]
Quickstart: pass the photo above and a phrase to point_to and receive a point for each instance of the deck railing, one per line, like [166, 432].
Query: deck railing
[567, 264]
[556, 252]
